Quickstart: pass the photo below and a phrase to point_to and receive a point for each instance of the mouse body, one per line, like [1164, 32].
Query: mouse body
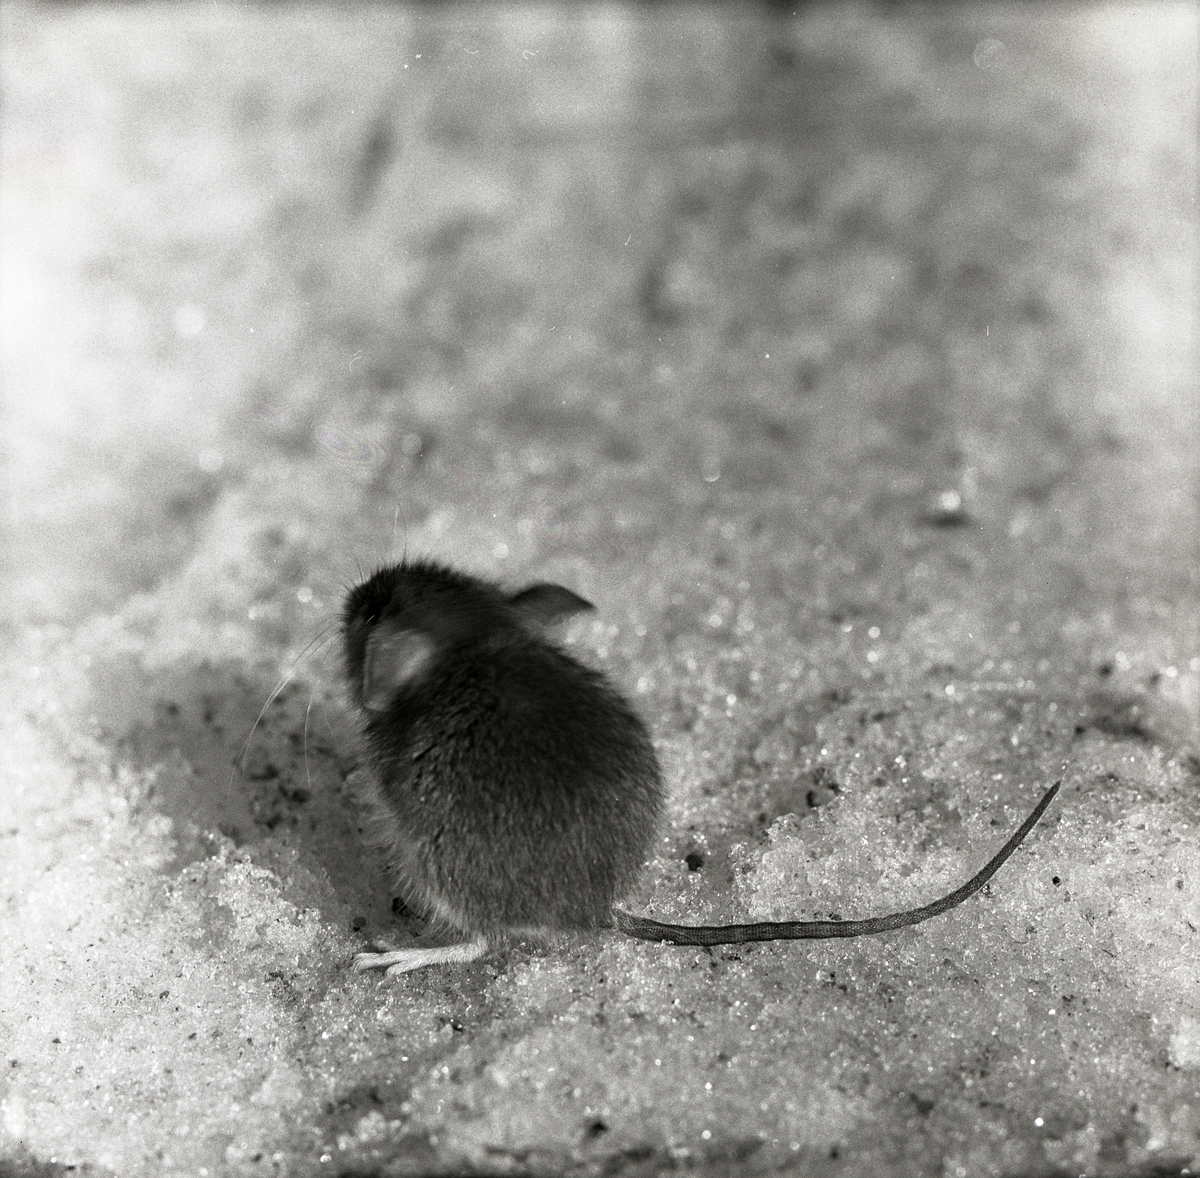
[512, 789]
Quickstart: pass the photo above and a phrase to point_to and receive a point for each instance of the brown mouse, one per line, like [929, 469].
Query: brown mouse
[513, 790]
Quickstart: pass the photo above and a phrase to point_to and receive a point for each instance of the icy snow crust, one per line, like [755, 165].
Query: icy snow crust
[844, 361]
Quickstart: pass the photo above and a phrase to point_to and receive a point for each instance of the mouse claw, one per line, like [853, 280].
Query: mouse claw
[366, 961]
[400, 961]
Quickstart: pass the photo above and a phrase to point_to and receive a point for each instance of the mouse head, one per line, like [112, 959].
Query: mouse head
[404, 618]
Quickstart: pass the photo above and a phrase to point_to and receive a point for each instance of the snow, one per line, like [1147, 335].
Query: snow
[845, 361]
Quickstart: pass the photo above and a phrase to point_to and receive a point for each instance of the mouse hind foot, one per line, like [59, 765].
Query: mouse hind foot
[399, 961]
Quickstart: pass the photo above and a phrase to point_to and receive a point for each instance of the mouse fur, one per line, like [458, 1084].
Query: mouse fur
[512, 789]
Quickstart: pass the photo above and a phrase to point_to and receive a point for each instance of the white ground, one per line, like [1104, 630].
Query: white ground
[845, 360]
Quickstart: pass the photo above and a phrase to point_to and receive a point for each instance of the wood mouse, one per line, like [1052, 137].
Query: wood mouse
[513, 790]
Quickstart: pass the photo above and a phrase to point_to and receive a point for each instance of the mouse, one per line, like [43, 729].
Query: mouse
[512, 789]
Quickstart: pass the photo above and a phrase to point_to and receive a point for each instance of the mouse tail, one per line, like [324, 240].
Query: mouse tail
[795, 930]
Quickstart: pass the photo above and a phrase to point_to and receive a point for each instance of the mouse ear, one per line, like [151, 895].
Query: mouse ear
[395, 658]
[545, 604]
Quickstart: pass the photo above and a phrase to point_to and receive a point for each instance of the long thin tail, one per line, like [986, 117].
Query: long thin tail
[795, 930]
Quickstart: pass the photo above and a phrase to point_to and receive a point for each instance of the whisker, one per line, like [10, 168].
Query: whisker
[307, 771]
[325, 635]
[395, 522]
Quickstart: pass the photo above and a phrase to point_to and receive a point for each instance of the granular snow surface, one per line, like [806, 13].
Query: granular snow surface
[845, 360]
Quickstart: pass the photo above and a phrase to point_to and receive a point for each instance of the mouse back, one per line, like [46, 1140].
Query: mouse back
[514, 786]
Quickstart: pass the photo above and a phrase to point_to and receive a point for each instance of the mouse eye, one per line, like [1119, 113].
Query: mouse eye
[372, 611]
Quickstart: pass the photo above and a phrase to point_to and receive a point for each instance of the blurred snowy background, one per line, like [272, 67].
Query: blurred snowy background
[844, 357]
